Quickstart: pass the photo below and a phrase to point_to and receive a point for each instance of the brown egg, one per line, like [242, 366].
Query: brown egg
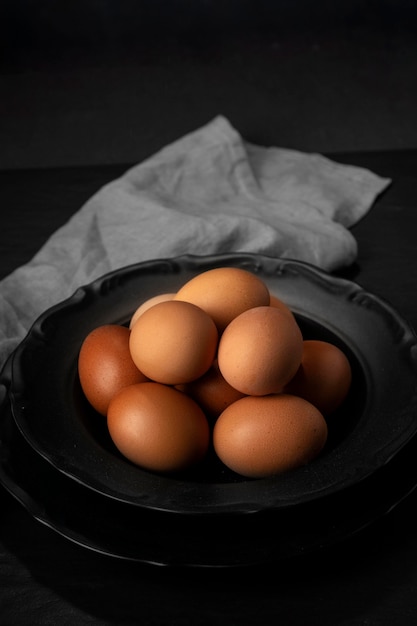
[260, 437]
[158, 427]
[105, 365]
[324, 376]
[162, 297]
[260, 351]
[280, 304]
[173, 342]
[224, 293]
[211, 392]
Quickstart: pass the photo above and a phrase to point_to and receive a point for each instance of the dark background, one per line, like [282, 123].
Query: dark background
[107, 81]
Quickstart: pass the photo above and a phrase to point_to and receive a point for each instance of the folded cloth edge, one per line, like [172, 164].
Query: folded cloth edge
[20, 305]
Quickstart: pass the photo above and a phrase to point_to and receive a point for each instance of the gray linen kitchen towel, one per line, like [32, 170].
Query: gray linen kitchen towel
[209, 192]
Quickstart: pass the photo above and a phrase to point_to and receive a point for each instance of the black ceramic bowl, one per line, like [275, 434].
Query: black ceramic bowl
[374, 424]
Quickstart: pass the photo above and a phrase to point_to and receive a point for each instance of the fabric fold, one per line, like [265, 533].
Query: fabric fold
[208, 192]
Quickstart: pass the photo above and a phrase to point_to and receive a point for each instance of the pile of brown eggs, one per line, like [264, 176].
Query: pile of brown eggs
[222, 362]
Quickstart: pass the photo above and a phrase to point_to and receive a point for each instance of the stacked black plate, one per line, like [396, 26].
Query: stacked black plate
[57, 459]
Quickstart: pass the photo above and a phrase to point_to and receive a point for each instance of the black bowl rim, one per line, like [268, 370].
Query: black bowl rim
[363, 452]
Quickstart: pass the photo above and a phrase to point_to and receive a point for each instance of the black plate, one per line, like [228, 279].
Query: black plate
[377, 420]
[160, 538]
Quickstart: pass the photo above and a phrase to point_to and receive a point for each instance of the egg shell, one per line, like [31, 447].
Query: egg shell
[173, 342]
[158, 427]
[260, 351]
[162, 297]
[324, 376]
[280, 304]
[224, 293]
[259, 437]
[105, 365]
[212, 392]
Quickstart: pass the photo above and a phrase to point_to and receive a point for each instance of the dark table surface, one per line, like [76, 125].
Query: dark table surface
[370, 579]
